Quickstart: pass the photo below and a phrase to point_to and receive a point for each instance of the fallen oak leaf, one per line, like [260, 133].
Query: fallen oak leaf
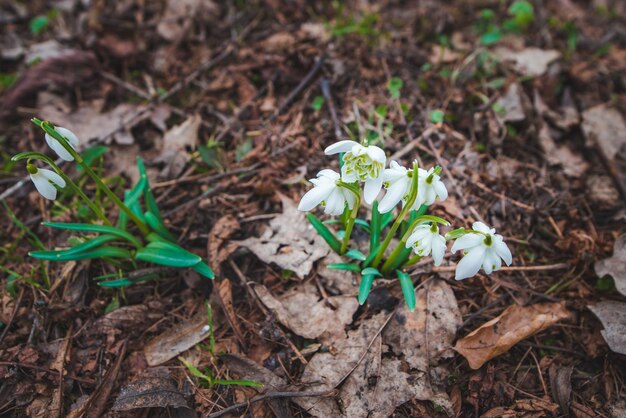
[154, 388]
[615, 266]
[515, 324]
[612, 314]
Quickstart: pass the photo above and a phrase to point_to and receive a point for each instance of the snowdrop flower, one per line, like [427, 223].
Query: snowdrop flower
[361, 163]
[44, 181]
[397, 181]
[430, 187]
[425, 239]
[328, 192]
[481, 248]
[58, 148]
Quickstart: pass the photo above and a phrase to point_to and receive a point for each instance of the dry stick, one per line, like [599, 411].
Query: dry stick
[46, 370]
[325, 86]
[303, 83]
[95, 406]
[558, 266]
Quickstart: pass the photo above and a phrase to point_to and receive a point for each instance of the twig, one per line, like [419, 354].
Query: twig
[273, 395]
[303, 83]
[325, 86]
[46, 370]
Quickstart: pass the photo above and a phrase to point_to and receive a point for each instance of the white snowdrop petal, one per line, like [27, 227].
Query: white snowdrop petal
[438, 249]
[467, 241]
[313, 197]
[58, 148]
[441, 190]
[371, 189]
[376, 154]
[470, 264]
[503, 250]
[43, 186]
[69, 135]
[52, 176]
[394, 195]
[480, 227]
[328, 173]
[341, 146]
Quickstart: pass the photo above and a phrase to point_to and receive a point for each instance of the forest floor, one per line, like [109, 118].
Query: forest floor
[230, 104]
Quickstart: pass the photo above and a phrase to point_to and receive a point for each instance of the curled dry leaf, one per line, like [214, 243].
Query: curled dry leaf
[512, 326]
[219, 246]
[289, 241]
[612, 314]
[178, 338]
[615, 266]
[605, 126]
[176, 143]
[529, 61]
[154, 388]
[302, 311]
[561, 385]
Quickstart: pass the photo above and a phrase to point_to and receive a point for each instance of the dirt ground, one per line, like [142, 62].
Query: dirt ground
[230, 104]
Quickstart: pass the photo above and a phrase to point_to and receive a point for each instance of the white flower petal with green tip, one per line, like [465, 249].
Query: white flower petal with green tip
[56, 146]
[326, 190]
[471, 263]
[341, 146]
[493, 248]
[43, 180]
[371, 189]
[469, 240]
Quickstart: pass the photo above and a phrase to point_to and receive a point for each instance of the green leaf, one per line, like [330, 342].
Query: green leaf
[104, 229]
[91, 154]
[401, 258]
[116, 283]
[167, 254]
[101, 252]
[386, 220]
[344, 266]
[250, 383]
[317, 103]
[356, 254]
[375, 226]
[371, 271]
[491, 37]
[437, 116]
[432, 218]
[148, 196]
[394, 86]
[204, 269]
[324, 232]
[194, 371]
[157, 226]
[92, 243]
[365, 288]
[243, 149]
[38, 24]
[363, 224]
[407, 289]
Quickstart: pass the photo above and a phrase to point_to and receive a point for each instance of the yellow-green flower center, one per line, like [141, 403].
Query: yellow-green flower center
[361, 166]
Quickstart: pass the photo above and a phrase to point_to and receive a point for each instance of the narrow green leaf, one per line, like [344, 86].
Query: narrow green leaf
[250, 383]
[404, 255]
[372, 255]
[204, 269]
[371, 271]
[136, 192]
[365, 288]
[148, 196]
[92, 243]
[456, 233]
[356, 254]
[407, 289]
[363, 224]
[167, 254]
[375, 226]
[101, 252]
[193, 370]
[344, 266]
[325, 233]
[104, 229]
[386, 220]
[116, 283]
[157, 226]
[432, 218]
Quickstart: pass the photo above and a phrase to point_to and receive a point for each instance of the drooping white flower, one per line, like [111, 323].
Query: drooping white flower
[361, 163]
[58, 148]
[44, 181]
[425, 239]
[398, 184]
[483, 248]
[328, 192]
[430, 187]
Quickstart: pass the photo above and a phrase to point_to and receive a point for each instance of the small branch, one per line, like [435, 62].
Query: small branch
[267, 396]
[325, 86]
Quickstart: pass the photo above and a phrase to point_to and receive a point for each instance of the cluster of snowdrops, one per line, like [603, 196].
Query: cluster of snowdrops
[412, 232]
[417, 234]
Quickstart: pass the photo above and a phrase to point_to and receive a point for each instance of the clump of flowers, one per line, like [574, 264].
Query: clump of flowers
[139, 234]
[363, 176]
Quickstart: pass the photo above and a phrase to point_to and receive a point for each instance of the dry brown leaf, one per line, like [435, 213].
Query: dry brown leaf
[302, 311]
[337, 281]
[154, 388]
[527, 408]
[278, 42]
[177, 142]
[178, 338]
[573, 163]
[612, 314]
[516, 323]
[529, 61]
[605, 126]
[425, 336]
[511, 103]
[561, 385]
[289, 241]
[173, 24]
[615, 266]
[219, 246]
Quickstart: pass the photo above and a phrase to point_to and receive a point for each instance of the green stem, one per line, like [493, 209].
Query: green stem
[405, 209]
[68, 181]
[48, 128]
[412, 260]
[350, 225]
